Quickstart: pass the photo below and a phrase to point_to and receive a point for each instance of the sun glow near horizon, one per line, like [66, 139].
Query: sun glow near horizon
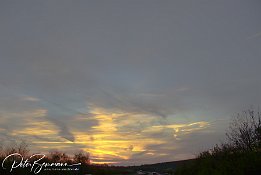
[114, 138]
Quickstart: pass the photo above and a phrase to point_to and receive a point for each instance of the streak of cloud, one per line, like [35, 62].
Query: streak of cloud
[256, 35]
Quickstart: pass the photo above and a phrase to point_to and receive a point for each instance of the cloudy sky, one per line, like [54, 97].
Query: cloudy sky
[130, 81]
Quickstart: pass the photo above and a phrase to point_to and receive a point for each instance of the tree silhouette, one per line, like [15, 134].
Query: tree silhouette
[245, 130]
[82, 157]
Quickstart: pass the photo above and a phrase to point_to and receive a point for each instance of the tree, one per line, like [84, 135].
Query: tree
[82, 157]
[16, 147]
[245, 131]
[57, 156]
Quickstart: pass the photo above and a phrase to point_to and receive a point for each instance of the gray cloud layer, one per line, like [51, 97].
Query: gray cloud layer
[193, 60]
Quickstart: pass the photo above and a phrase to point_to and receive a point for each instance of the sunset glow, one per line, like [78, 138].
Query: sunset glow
[130, 82]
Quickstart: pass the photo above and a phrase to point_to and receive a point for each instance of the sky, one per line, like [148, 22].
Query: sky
[129, 81]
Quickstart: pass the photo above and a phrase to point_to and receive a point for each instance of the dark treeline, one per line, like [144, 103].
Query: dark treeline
[239, 155]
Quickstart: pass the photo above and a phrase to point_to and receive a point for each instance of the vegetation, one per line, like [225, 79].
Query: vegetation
[240, 155]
